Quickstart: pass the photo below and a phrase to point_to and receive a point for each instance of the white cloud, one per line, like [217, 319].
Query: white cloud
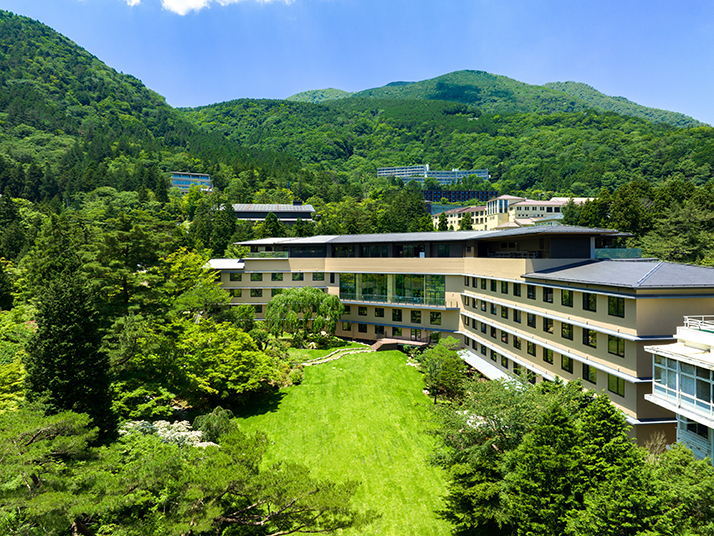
[182, 7]
[133, 2]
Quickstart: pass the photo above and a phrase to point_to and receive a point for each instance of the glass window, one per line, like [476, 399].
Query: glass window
[494, 285]
[434, 337]
[474, 282]
[362, 311]
[236, 292]
[483, 283]
[531, 320]
[276, 277]
[396, 332]
[504, 287]
[483, 305]
[589, 373]
[615, 385]
[256, 277]
[275, 291]
[548, 355]
[236, 277]
[494, 309]
[566, 363]
[517, 316]
[348, 309]
[258, 309]
[566, 297]
[362, 328]
[346, 326]
[435, 318]
[616, 345]
[547, 294]
[466, 301]
[590, 302]
[466, 280]
[516, 289]
[566, 331]
[318, 276]
[466, 321]
[379, 330]
[483, 327]
[493, 332]
[256, 293]
[504, 361]
[504, 337]
[590, 338]
[416, 317]
[516, 342]
[616, 306]
[531, 292]
[298, 276]
[396, 315]
[548, 325]
[379, 312]
[443, 250]
[504, 312]
[531, 348]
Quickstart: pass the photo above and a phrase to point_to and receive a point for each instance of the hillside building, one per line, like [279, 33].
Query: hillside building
[533, 298]
[183, 181]
[287, 214]
[421, 172]
[456, 196]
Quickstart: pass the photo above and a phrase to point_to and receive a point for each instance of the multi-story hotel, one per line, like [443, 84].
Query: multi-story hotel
[184, 180]
[421, 172]
[537, 299]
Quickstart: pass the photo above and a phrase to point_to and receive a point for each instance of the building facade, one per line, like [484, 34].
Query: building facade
[455, 196]
[421, 172]
[531, 299]
[183, 181]
[288, 214]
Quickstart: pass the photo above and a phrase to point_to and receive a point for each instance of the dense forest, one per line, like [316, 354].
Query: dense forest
[119, 362]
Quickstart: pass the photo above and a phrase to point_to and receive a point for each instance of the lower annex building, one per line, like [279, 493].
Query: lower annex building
[534, 298]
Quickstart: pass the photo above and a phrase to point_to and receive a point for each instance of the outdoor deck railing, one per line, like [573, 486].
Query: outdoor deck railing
[701, 323]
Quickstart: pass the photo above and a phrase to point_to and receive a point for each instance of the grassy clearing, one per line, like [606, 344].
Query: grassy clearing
[362, 417]
[301, 354]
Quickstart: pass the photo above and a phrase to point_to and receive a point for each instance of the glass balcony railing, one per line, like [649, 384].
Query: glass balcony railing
[400, 300]
[267, 255]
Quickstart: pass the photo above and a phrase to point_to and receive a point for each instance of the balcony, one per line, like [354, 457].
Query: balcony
[399, 300]
[267, 255]
[700, 323]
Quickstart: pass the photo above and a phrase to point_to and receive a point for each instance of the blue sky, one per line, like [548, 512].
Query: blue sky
[195, 52]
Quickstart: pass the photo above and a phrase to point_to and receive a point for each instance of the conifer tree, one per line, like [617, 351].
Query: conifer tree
[443, 223]
[65, 367]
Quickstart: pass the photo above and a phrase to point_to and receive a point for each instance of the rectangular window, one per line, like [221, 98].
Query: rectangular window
[484, 350]
[396, 332]
[531, 320]
[348, 309]
[548, 355]
[275, 291]
[236, 292]
[531, 348]
[616, 306]
[615, 385]
[504, 337]
[318, 276]
[435, 318]
[494, 309]
[548, 325]
[504, 361]
[379, 312]
[589, 302]
[466, 280]
[589, 373]
[298, 276]
[493, 332]
[236, 277]
[396, 315]
[483, 306]
[616, 345]
[483, 283]
[332, 279]
[276, 277]
[434, 337]
[566, 331]
[256, 277]
[416, 317]
[258, 309]
[547, 295]
[362, 311]
[531, 292]
[379, 330]
[474, 282]
[256, 293]
[566, 297]
[466, 301]
[443, 250]
[504, 312]
[494, 285]
[466, 321]
[362, 328]
[517, 289]
[504, 287]
[517, 342]
[517, 316]
[483, 327]
[590, 338]
[566, 363]
[346, 326]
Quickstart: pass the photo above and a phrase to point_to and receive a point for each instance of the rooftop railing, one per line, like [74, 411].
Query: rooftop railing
[267, 255]
[701, 323]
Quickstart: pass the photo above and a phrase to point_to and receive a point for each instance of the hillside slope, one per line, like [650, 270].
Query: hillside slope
[621, 105]
[319, 95]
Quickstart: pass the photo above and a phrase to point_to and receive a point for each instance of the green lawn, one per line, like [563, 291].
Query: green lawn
[301, 354]
[363, 417]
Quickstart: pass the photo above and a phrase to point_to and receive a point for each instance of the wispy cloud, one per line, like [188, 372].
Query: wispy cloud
[182, 7]
[133, 2]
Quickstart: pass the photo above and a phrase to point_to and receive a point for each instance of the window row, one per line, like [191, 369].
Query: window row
[414, 334]
[615, 304]
[296, 276]
[397, 315]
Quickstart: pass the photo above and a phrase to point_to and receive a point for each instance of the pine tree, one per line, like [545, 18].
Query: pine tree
[65, 367]
[443, 223]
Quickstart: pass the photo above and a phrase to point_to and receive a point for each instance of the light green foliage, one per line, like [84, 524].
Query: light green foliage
[467, 222]
[303, 312]
[444, 371]
[443, 222]
[213, 425]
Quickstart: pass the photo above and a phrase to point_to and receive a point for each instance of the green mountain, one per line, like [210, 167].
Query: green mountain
[621, 105]
[320, 95]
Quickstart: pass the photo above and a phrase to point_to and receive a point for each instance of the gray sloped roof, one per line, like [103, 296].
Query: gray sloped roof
[631, 273]
[275, 208]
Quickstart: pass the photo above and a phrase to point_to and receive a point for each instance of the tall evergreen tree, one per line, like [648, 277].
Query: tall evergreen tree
[65, 366]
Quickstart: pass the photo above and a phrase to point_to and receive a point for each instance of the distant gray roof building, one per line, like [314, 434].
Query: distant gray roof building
[287, 214]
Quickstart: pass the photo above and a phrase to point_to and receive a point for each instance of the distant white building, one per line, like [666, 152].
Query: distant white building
[421, 172]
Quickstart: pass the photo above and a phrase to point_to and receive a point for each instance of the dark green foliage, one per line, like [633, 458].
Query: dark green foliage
[444, 370]
[215, 424]
[66, 368]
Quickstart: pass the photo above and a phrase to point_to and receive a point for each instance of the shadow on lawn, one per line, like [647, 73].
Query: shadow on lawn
[259, 405]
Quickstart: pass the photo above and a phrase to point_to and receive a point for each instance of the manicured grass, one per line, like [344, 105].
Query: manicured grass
[302, 354]
[363, 418]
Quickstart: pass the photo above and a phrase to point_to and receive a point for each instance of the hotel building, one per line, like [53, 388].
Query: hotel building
[539, 299]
